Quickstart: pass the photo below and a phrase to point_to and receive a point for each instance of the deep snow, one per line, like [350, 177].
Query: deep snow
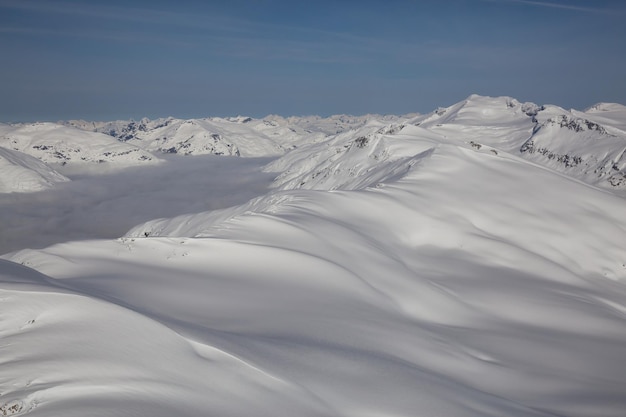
[420, 267]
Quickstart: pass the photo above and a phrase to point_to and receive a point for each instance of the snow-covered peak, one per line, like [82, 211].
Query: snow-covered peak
[239, 119]
[612, 114]
[69, 147]
[607, 107]
[481, 111]
[582, 145]
[237, 136]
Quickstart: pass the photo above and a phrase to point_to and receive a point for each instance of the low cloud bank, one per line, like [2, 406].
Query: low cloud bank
[106, 206]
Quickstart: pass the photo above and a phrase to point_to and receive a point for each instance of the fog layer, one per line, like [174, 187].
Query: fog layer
[95, 206]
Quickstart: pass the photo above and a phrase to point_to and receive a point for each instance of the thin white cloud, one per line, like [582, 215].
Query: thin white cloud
[585, 9]
[117, 36]
[130, 14]
[94, 10]
[216, 33]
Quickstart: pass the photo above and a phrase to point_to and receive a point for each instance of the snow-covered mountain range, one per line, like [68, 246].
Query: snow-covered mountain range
[68, 149]
[466, 262]
[589, 145]
[234, 136]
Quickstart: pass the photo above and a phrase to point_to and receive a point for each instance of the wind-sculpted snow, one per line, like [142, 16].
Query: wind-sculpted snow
[468, 284]
[416, 266]
[67, 353]
[355, 159]
[23, 173]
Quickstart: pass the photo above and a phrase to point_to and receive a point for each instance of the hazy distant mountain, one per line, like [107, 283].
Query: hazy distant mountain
[238, 136]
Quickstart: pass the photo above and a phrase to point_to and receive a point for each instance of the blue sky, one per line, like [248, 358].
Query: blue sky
[129, 59]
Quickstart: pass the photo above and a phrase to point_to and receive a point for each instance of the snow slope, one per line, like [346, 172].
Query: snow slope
[590, 146]
[574, 144]
[61, 146]
[437, 278]
[613, 114]
[355, 159]
[111, 361]
[23, 173]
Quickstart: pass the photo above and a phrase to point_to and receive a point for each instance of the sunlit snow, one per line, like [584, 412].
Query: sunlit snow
[424, 265]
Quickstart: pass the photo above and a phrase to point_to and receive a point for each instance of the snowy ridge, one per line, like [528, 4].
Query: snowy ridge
[586, 146]
[198, 137]
[62, 146]
[612, 114]
[356, 159]
[582, 148]
[335, 124]
[238, 136]
[23, 173]
[589, 146]
[501, 122]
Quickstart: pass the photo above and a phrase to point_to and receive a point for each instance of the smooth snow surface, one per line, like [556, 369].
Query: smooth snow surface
[419, 267]
[22, 173]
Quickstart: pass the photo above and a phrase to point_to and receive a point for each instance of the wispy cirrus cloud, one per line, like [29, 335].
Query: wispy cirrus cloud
[101, 11]
[215, 22]
[553, 5]
[217, 33]
[117, 36]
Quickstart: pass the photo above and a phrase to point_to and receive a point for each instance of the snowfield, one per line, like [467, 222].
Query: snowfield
[422, 265]
[20, 172]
